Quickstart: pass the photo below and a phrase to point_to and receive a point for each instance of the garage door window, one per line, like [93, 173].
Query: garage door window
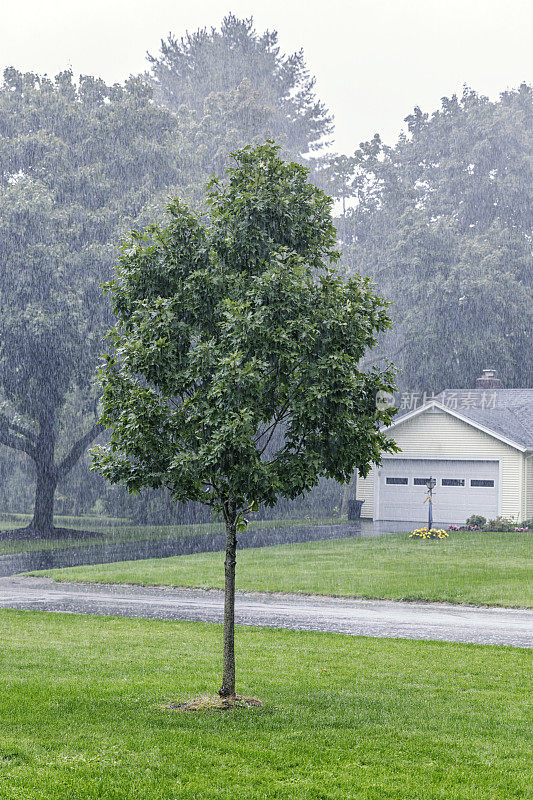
[420, 481]
[402, 481]
[453, 482]
[482, 484]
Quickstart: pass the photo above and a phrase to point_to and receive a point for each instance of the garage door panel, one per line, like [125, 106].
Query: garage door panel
[462, 488]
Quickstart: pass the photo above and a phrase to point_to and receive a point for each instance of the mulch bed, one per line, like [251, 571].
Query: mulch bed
[215, 703]
[18, 534]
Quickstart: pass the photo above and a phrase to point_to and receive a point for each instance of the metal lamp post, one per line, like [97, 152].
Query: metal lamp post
[431, 483]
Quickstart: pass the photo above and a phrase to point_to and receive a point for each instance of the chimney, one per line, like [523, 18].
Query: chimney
[488, 380]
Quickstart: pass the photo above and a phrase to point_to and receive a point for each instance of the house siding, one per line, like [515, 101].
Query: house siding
[528, 469]
[440, 435]
[365, 492]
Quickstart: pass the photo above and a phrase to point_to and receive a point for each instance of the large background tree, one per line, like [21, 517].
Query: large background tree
[231, 332]
[77, 164]
[242, 74]
[442, 223]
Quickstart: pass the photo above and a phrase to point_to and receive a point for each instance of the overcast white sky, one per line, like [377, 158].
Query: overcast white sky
[374, 60]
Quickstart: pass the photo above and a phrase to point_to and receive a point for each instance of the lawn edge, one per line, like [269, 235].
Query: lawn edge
[259, 592]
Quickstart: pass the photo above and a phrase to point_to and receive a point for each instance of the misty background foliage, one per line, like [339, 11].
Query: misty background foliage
[441, 222]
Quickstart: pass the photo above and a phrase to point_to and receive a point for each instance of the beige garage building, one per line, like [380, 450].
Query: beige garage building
[477, 445]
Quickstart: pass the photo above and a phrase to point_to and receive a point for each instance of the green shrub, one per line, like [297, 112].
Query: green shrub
[500, 524]
[476, 521]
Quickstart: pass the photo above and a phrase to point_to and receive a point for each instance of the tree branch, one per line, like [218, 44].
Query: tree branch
[16, 437]
[30, 435]
[272, 429]
[78, 450]
[282, 414]
[284, 450]
[407, 343]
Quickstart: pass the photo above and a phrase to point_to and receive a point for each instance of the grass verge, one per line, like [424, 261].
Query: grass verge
[82, 715]
[478, 568]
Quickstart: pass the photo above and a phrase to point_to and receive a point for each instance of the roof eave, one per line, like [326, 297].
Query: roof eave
[467, 420]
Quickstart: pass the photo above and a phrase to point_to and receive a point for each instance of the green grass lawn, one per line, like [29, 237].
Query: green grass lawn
[115, 531]
[12, 521]
[345, 718]
[469, 567]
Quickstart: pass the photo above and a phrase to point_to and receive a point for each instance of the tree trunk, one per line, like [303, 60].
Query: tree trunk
[349, 491]
[228, 659]
[47, 477]
[43, 513]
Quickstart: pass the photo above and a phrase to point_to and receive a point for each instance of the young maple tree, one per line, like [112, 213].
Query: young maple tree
[235, 377]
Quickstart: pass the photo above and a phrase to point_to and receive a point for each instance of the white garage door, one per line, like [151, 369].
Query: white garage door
[462, 488]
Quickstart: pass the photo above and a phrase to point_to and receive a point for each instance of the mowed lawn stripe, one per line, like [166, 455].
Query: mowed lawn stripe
[82, 716]
[469, 567]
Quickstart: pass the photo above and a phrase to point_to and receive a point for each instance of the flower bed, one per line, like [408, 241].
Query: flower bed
[427, 533]
[501, 524]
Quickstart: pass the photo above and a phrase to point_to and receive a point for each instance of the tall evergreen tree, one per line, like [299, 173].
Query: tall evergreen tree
[189, 73]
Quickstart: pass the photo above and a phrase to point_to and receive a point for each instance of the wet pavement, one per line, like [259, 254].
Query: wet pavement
[380, 618]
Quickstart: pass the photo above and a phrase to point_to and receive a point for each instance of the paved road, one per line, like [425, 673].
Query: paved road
[355, 617]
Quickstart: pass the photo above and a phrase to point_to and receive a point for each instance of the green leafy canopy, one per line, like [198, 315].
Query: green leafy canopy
[236, 371]
[443, 226]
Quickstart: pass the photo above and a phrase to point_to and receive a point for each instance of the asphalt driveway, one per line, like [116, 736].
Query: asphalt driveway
[381, 618]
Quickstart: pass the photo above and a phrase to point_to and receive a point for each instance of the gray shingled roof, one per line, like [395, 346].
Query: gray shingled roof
[507, 412]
